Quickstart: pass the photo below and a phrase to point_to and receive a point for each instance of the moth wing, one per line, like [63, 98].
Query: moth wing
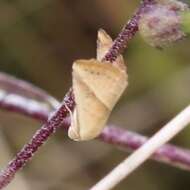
[106, 81]
[90, 114]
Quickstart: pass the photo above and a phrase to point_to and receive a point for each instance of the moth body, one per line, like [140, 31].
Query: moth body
[97, 86]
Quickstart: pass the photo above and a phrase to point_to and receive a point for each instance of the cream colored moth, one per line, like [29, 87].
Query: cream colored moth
[97, 86]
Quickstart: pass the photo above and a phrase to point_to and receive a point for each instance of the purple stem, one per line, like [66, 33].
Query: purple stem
[127, 33]
[25, 106]
[10, 83]
[119, 137]
[127, 140]
[56, 119]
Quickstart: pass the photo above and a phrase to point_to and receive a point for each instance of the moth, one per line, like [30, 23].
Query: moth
[97, 86]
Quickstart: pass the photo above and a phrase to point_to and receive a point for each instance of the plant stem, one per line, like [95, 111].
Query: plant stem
[56, 120]
[144, 152]
[10, 83]
[121, 138]
[127, 33]
[23, 105]
[130, 141]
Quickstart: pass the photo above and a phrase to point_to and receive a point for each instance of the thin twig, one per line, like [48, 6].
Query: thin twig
[26, 106]
[17, 86]
[121, 138]
[144, 152]
[127, 33]
[55, 121]
[21, 182]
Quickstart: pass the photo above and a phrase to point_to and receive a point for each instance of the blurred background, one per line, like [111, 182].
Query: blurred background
[39, 40]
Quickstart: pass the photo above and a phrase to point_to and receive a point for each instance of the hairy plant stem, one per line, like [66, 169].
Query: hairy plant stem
[56, 119]
[127, 33]
[121, 138]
